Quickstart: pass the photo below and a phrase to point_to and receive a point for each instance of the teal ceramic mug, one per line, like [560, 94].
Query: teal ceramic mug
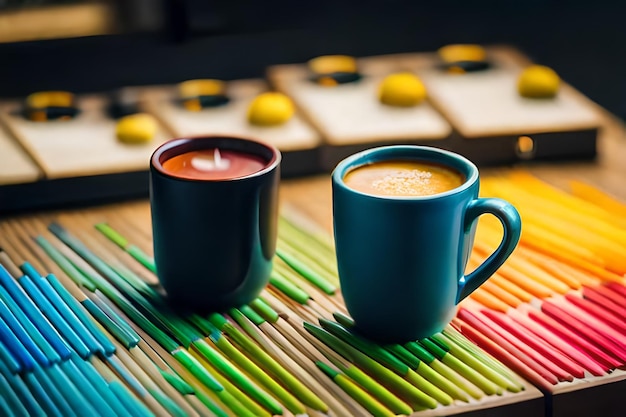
[402, 259]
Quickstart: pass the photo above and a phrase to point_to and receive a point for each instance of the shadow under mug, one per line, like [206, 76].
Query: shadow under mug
[214, 239]
[402, 259]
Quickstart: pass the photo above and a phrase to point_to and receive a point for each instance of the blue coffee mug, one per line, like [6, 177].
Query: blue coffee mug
[402, 259]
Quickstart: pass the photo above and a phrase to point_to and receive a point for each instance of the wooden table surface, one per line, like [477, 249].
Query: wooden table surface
[312, 195]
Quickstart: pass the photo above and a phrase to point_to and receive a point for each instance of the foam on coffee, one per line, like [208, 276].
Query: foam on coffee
[403, 178]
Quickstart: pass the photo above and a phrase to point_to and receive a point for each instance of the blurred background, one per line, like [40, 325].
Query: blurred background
[99, 45]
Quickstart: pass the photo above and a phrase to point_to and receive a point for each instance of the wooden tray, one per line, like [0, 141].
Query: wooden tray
[487, 115]
[601, 396]
[16, 167]
[350, 117]
[297, 141]
[136, 218]
[529, 402]
[79, 160]
[485, 109]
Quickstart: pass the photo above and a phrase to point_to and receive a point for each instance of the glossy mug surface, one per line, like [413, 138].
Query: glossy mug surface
[402, 246]
[214, 219]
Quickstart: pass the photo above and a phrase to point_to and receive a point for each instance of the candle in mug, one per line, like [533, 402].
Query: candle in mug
[213, 164]
[214, 204]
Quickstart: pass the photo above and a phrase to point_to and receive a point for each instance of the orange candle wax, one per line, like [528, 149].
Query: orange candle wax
[213, 164]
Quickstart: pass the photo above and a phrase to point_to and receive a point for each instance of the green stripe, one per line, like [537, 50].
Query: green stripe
[304, 270]
[468, 373]
[404, 389]
[288, 288]
[369, 348]
[67, 267]
[210, 404]
[386, 397]
[268, 313]
[476, 364]
[172, 408]
[252, 315]
[288, 380]
[197, 369]
[142, 257]
[112, 327]
[261, 376]
[362, 397]
[177, 382]
[327, 369]
[112, 235]
[242, 381]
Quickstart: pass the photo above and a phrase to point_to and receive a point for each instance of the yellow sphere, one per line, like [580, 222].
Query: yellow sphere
[402, 89]
[270, 109]
[136, 128]
[327, 64]
[462, 52]
[201, 87]
[538, 81]
[43, 99]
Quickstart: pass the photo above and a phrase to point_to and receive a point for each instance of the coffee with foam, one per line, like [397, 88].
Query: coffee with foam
[403, 178]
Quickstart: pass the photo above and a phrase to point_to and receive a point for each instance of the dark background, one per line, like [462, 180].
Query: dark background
[167, 41]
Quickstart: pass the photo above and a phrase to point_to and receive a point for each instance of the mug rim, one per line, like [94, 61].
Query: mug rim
[406, 152]
[187, 143]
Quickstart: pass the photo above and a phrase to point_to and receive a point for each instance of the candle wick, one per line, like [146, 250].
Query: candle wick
[217, 158]
[220, 163]
[206, 163]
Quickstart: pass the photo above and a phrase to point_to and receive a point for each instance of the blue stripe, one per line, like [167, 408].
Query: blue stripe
[20, 333]
[15, 347]
[99, 384]
[34, 314]
[79, 310]
[23, 392]
[48, 310]
[8, 360]
[88, 391]
[45, 346]
[44, 394]
[14, 402]
[63, 309]
[71, 393]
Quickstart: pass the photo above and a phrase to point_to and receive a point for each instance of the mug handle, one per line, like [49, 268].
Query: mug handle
[512, 225]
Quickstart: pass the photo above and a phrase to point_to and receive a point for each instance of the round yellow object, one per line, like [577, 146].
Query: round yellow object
[462, 52]
[328, 64]
[270, 109]
[402, 89]
[201, 87]
[43, 99]
[136, 128]
[538, 81]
